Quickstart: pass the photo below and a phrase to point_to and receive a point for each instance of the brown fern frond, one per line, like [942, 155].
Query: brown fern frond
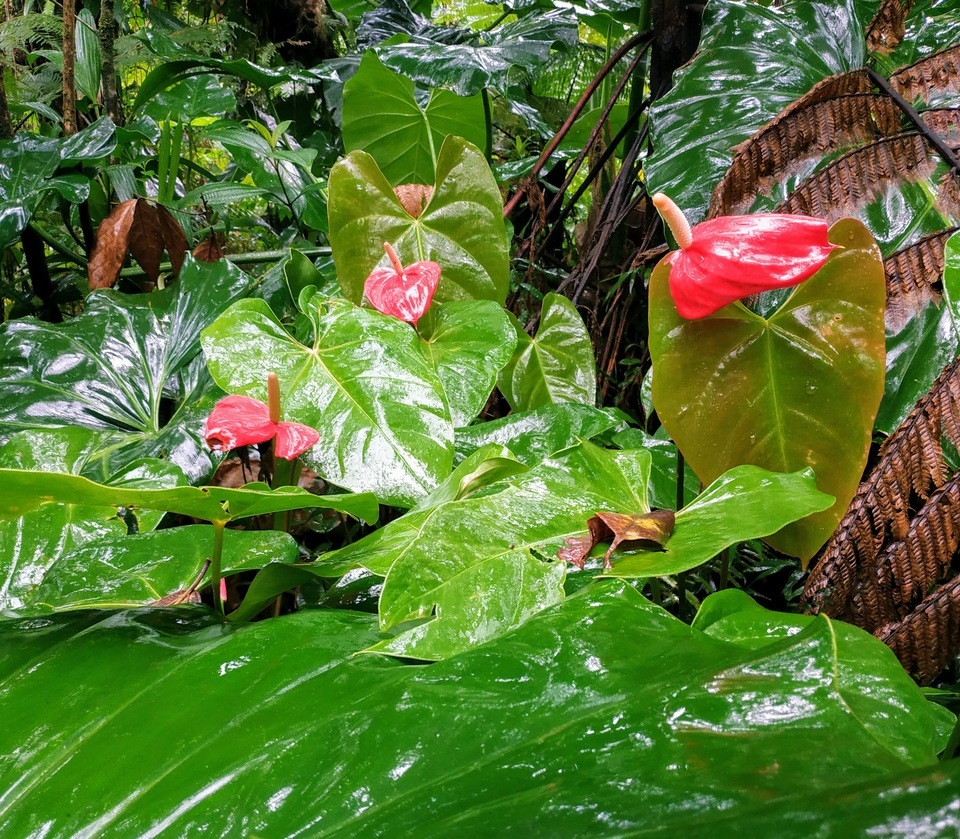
[818, 125]
[910, 464]
[860, 176]
[888, 26]
[937, 73]
[946, 122]
[909, 569]
[927, 639]
[913, 277]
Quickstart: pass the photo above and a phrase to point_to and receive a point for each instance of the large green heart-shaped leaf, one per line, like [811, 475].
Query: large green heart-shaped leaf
[461, 227]
[467, 343]
[124, 571]
[364, 385]
[382, 117]
[753, 61]
[31, 545]
[556, 365]
[125, 364]
[800, 388]
[603, 717]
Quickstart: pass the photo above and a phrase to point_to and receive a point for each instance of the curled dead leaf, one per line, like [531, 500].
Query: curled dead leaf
[653, 528]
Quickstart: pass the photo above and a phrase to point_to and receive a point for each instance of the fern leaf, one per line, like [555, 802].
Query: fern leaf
[927, 640]
[888, 26]
[913, 278]
[937, 73]
[910, 465]
[860, 176]
[779, 148]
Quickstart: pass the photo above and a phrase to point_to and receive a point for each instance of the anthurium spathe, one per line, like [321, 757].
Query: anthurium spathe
[404, 293]
[725, 259]
[237, 421]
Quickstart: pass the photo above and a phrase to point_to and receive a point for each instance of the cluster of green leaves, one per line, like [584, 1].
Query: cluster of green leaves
[544, 710]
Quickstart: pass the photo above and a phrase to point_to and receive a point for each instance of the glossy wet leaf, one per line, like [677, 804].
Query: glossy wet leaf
[556, 365]
[25, 490]
[798, 389]
[382, 117]
[534, 435]
[125, 571]
[601, 717]
[746, 502]
[364, 385]
[663, 467]
[753, 60]
[461, 228]
[916, 355]
[467, 68]
[32, 544]
[467, 343]
[126, 364]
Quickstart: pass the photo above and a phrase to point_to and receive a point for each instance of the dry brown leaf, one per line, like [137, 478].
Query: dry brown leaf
[145, 241]
[653, 527]
[888, 26]
[108, 254]
[172, 237]
[209, 250]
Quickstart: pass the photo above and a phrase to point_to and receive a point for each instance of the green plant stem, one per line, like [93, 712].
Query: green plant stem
[216, 563]
[163, 160]
[283, 475]
[59, 248]
[170, 189]
[682, 577]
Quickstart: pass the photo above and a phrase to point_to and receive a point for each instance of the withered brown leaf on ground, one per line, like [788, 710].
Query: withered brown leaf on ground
[653, 527]
[143, 230]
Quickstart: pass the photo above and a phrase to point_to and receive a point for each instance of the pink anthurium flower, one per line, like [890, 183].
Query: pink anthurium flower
[404, 293]
[725, 259]
[237, 421]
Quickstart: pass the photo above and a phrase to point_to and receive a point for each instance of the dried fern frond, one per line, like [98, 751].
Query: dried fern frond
[927, 640]
[779, 148]
[860, 176]
[888, 26]
[909, 569]
[946, 122]
[913, 275]
[910, 465]
[937, 73]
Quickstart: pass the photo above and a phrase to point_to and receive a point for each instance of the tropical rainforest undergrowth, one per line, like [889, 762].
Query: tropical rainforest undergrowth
[373, 457]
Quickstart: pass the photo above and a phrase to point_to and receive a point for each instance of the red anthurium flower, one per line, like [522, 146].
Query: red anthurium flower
[404, 293]
[726, 259]
[237, 421]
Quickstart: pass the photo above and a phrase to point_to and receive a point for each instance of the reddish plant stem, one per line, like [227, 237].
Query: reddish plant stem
[597, 80]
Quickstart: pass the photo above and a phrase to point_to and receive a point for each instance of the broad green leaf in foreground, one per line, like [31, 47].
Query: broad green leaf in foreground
[556, 365]
[32, 544]
[467, 343]
[364, 385]
[124, 571]
[799, 388]
[601, 717]
[461, 227]
[124, 365]
[382, 117]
